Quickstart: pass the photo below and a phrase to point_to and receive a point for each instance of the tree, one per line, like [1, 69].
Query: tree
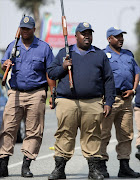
[32, 6]
[137, 53]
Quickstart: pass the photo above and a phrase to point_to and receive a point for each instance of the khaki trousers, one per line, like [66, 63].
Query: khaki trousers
[137, 119]
[122, 118]
[85, 115]
[30, 105]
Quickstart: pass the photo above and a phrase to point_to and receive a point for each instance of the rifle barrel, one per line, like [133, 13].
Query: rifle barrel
[64, 26]
[62, 8]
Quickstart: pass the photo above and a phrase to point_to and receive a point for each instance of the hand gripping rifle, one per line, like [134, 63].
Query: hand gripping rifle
[12, 55]
[64, 25]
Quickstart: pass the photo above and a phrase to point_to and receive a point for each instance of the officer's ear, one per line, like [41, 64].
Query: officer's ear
[76, 36]
[109, 39]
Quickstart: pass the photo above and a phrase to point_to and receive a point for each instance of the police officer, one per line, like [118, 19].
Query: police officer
[126, 76]
[81, 107]
[27, 96]
[137, 119]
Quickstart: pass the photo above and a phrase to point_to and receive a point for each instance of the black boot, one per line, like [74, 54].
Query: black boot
[59, 171]
[137, 155]
[103, 168]
[126, 171]
[4, 166]
[25, 172]
[94, 166]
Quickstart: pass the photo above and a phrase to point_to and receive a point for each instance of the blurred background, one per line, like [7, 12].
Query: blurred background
[101, 14]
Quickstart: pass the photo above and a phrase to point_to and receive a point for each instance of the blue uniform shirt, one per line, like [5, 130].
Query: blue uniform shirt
[124, 68]
[91, 72]
[30, 65]
[75, 48]
[137, 98]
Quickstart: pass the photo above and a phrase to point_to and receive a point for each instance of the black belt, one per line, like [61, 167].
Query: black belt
[119, 92]
[29, 90]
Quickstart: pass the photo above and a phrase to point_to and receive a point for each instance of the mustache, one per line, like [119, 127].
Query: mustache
[86, 39]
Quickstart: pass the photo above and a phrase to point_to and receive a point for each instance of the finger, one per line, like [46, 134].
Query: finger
[67, 57]
[125, 96]
[50, 106]
[105, 115]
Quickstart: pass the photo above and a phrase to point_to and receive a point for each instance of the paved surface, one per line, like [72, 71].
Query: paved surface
[76, 168]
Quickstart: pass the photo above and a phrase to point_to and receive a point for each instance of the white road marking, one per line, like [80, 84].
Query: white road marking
[50, 155]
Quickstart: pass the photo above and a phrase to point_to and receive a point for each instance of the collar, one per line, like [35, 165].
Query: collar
[35, 41]
[111, 51]
[75, 48]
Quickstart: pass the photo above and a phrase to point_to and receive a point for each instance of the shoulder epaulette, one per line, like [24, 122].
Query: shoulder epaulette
[96, 48]
[129, 52]
[10, 44]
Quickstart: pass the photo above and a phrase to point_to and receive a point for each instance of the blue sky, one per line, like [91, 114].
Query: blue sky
[101, 14]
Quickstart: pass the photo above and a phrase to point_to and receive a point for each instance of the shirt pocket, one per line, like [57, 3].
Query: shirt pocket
[114, 64]
[38, 63]
[17, 64]
[129, 64]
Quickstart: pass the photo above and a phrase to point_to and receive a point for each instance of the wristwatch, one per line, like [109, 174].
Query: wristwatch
[134, 91]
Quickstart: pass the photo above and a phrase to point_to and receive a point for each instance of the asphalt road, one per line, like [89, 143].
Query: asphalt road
[76, 168]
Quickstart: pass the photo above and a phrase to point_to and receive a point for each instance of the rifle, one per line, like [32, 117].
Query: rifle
[64, 26]
[53, 97]
[12, 55]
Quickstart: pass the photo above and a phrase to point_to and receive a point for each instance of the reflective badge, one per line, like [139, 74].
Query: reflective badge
[64, 59]
[85, 24]
[108, 55]
[17, 53]
[26, 19]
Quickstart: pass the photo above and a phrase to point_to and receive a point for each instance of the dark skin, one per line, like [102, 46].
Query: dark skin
[84, 41]
[27, 37]
[116, 43]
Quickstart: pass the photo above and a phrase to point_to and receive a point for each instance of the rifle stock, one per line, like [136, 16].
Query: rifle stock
[13, 54]
[5, 74]
[65, 33]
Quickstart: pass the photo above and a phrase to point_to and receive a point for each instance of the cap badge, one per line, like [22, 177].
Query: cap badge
[116, 28]
[108, 55]
[85, 24]
[26, 19]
